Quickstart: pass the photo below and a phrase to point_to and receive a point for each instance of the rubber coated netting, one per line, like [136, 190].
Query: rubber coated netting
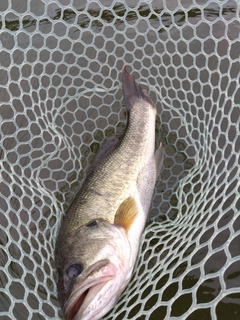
[60, 92]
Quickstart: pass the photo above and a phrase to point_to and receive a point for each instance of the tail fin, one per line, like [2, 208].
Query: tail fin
[131, 90]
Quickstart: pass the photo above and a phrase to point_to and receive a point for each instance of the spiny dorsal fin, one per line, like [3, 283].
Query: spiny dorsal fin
[108, 145]
[126, 213]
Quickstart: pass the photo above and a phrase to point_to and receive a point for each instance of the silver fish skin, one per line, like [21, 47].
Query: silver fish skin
[99, 237]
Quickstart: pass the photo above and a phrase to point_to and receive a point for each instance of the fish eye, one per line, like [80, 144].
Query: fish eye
[74, 270]
[92, 223]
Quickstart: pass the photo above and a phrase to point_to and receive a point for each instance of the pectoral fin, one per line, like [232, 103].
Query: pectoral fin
[126, 213]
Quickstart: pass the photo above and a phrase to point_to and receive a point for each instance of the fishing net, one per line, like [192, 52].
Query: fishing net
[60, 92]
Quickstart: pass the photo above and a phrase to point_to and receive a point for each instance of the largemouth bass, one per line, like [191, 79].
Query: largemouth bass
[99, 237]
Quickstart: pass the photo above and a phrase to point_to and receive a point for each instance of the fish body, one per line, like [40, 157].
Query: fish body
[98, 240]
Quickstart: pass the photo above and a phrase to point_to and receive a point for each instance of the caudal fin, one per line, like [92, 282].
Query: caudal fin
[132, 91]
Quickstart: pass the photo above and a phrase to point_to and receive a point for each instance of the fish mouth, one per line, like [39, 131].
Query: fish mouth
[95, 279]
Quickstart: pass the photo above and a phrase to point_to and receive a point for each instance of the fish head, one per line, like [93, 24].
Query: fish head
[95, 270]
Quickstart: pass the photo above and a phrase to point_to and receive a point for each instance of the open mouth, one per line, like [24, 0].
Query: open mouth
[91, 286]
[77, 305]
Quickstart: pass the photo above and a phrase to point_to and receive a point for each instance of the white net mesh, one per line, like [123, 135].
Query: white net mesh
[60, 93]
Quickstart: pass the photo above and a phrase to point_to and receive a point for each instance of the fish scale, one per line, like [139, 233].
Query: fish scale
[109, 180]
[98, 240]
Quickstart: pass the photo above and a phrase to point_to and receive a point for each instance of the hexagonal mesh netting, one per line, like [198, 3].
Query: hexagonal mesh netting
[60, 92]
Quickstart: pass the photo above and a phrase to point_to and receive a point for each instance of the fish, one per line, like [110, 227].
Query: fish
[99, 237]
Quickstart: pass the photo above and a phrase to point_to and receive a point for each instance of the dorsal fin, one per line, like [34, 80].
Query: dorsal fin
[126, 213]
[108, 146]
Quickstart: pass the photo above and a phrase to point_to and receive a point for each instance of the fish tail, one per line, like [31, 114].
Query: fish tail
[132, 91]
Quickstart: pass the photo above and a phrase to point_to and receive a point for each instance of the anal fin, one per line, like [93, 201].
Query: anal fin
[159, 157]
